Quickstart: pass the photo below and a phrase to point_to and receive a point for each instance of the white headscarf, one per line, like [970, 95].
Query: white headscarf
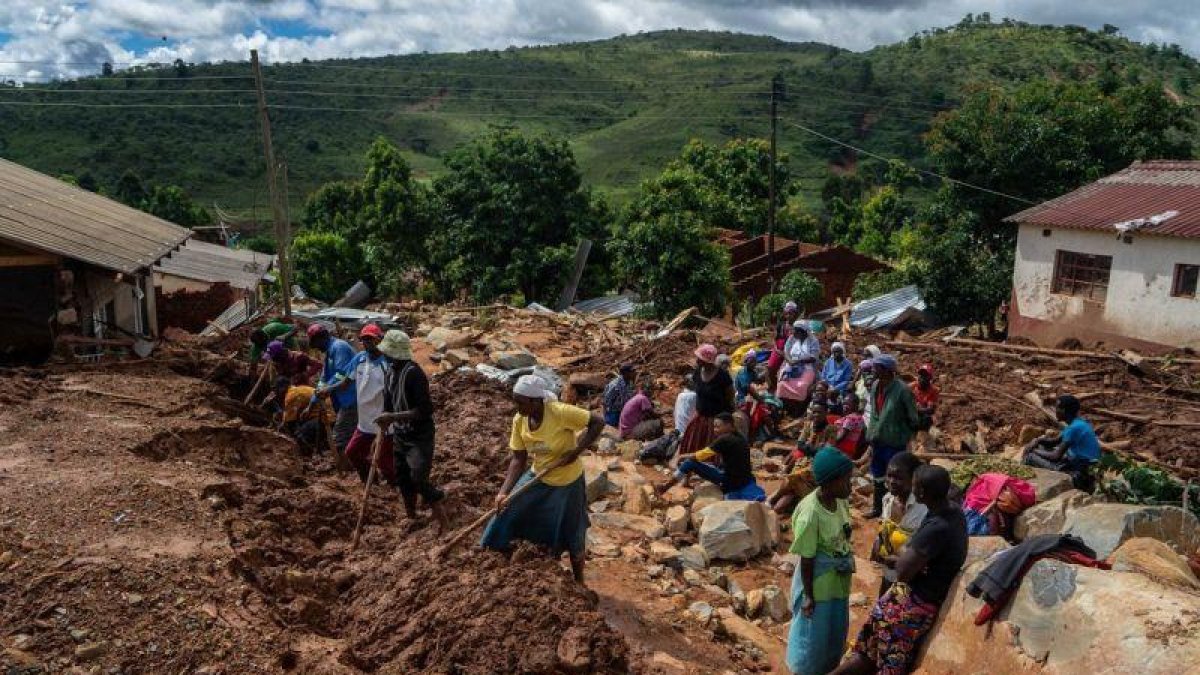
[874, 351]
[837, 345]
[532, 386]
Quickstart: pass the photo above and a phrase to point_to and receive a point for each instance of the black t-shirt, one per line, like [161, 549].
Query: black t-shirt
[407, 388]
[942, 539]
[735, 460]
[712, 397]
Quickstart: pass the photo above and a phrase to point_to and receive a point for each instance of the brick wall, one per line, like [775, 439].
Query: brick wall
[192, 310]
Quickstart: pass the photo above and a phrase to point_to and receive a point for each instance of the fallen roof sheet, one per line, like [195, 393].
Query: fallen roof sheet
[609, 306]
[235, 315]
[348, 316]
[902, 308]
[47, 214]
[213, 263]
[1142, 190]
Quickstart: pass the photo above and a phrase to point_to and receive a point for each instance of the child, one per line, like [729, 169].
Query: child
[835, 403]
[851, 428]
[735, 476]
[902, 515]
[799, 481]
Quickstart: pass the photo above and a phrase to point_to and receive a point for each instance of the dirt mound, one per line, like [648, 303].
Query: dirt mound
[481, 614]
[242, 447]
[473, 417]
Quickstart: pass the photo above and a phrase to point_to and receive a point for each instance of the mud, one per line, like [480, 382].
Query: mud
[242, 447]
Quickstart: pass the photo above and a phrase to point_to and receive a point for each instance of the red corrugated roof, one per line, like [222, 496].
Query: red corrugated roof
[1142, 190]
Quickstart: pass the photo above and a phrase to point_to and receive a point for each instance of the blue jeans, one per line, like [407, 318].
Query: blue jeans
[751, 492]
[881, 455]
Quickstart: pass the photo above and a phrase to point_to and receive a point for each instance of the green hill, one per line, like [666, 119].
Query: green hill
[628, 104]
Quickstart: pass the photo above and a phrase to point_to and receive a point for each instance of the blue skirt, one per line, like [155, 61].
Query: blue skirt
[815, 644]
[554, 517]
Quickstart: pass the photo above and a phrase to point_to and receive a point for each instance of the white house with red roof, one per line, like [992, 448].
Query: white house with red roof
[1115, 261]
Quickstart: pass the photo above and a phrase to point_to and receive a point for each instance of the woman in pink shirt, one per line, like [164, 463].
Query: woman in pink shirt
[638, 421]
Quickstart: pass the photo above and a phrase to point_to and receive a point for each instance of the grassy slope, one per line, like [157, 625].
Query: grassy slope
[627, 105]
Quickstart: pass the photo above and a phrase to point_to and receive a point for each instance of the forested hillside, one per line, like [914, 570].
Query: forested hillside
[627, 105]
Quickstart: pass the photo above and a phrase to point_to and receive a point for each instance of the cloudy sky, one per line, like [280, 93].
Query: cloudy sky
[41, 39]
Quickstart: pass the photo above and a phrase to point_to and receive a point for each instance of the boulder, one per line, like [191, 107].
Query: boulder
[664, 553]
[1049, 516]
[1050, 484]
[637, 500]
[585, 383]
[1067, 619]
[622, 474]
[701, 611]
[775, 604]
[513, 360]
[741, 630]
[596, 480]
[693, 578]
[738, 530]
[678, 494]
[1104, 527]
[982, 548]
[645, 525]
[1156, 560]
[442, 338]
[676, 519]
[706, 490]
[457, 358]
[693, 557]
[601, 545]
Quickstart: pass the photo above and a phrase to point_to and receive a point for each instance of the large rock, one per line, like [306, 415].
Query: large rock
[664, 553]
[596, 480]
[637, 500]
[1067, 619]
[513, 360]
[676, 519]
[703, 496]
[738, 530]
[693, 557]
[982, 548]
[1048, 517]
[446, 338]
[622, 474]
[645, 525]
[1104, 527]
[1050, 484]
[1156, 560]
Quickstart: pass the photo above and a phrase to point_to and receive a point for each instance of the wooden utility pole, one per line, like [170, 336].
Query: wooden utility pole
[776, 86]
[282, 227]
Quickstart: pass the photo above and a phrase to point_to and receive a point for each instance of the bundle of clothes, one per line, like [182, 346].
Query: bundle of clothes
[999, 581]
[993, 502]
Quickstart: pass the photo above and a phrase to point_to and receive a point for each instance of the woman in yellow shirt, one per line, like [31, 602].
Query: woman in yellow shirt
[552, 513]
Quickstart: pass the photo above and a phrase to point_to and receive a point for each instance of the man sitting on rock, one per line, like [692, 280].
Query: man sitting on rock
[735, 476]
[638, 420]
[1074, 451]
[892, 635]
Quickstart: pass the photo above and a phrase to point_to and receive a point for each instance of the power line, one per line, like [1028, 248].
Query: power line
[66, 90]
[75, 104]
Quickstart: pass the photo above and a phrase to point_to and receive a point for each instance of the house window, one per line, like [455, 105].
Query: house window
[1184, 285]
[1082, 274]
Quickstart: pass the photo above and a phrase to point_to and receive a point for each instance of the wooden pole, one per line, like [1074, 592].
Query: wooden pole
[441, 551]
[281, 240]
[362, 508]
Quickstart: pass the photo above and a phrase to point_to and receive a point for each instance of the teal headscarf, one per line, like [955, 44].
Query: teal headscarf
[830, 464]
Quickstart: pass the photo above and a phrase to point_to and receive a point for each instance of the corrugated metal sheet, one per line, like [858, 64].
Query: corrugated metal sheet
[212, 263]
[235, 315]
[349, 316]
[609, 306]
[902, 308]
[1142, 190]
[47, 214]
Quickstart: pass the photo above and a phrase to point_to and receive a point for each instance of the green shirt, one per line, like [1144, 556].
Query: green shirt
[274, 329]
[816, 529]
[894, 423]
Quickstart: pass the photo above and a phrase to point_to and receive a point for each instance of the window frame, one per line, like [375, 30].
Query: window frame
[1177, 278]
[1085, 271]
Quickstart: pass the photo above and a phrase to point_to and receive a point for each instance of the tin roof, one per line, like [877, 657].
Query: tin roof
[1142, 190]
[212, 263]
[47, 214]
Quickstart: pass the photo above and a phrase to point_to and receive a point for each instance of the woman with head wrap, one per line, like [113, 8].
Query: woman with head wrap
[821, 583]
[894, 420]
[296, 366]
[796, 378]
[783, 330]
[714, 395]
[552, 513]
[838, 372]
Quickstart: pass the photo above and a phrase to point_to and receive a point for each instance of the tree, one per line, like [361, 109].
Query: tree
[960, 280]
[171, 203]
[129, 190]
[796, 286]
[674, 262]
[325, 264]
[512, 210]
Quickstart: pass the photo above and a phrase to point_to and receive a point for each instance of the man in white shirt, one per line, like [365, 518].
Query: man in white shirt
[369, 370]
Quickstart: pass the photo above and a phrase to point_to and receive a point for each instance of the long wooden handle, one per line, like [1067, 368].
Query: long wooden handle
[362, 508]
[461, 534]
[261, 376]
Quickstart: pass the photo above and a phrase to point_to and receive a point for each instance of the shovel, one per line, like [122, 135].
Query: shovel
[441, 551]
[362, 509]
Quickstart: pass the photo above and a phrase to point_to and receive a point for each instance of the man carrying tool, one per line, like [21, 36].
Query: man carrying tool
[1074, 451]
[275, 329]
[369, 373]
[408, 418]
[336, 382]
[553, 511]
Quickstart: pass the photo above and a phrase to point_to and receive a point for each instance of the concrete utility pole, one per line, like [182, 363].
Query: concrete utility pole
[283, 234]
[776, 90]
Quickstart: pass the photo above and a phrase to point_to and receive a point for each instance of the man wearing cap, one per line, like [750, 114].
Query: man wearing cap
[369, 374]
[894, 420]
[297, 367]
[408, 417]
[617, 393]
[336, 381]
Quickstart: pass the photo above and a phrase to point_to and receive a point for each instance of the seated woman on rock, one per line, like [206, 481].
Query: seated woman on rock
[902, 515]
[735, 476]
[552, 513]
[891, 637]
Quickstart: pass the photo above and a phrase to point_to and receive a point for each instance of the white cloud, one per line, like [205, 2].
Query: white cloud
[55, 35]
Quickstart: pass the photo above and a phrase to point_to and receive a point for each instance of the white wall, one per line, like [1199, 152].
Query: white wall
[1139, 303]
